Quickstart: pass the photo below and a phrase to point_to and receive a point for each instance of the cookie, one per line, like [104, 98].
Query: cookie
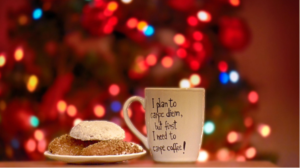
[111, 147]
[66, 145]
[97, 130]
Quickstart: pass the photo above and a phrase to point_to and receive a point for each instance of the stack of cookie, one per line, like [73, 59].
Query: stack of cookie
[93, 138]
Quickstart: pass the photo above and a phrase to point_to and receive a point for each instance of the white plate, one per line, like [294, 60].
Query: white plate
[93, 159]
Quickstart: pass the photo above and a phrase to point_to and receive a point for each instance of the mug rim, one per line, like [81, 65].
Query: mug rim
[175, 89]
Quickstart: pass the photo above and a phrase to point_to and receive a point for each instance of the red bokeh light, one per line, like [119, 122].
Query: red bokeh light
[181, 52]
[128, 136]
[179, 39]
[114, 89]
[107, 29]
[30, 145]
[223, 67]
[234, 2]
[112, 21]
[204, 16]
[42, 146]
[198, 36]
[250, 152]
[198, 46]
[145, 129]
[132, 23]
[248, 122]
[151, 59]
[253, 97]
[167, 62]
[232, 137]
[194, 65]
[192, 21]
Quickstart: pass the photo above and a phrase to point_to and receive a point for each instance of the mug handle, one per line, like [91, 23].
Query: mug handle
[128, 121]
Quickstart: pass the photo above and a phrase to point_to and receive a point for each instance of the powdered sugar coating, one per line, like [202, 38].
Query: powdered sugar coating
[97, 130]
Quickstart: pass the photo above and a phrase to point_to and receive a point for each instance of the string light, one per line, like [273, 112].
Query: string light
[264, 130]
[112, 6]
[204, 16]
[77, 121]
[114, 89]
[30, 145]
[250, 152]
[184, 83]
[198, 36]
[19, 54]
[141, 25]
[195, 79]
[167, 62]
[192, 21]
[71, 110]
[234, 2]
[132, 23]
[126, 1]
[253, 97]
[37, 13]
[233, 76]
[151, 59]
[148, 30]
[38, 135]
[115, 106]
[181, 52]
[32, 83]
[224, 78]
[42, 146]
[61, 106]
[179, 39]
[203, 156]
[222, 66]
[34, 121]
[99, 111]
[209, 127]
[2, 60]
[129, 113]
[232, 137]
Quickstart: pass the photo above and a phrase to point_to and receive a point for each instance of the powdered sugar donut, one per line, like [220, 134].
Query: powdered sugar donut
[97, 130]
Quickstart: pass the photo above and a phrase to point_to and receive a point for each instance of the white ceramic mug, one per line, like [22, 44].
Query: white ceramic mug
[174, 121]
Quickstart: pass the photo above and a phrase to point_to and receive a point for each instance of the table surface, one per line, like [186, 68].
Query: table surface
[139, 163]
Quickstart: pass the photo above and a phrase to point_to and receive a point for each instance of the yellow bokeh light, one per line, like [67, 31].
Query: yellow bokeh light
[19, 54]
[141, 25]
[184, 83]
[99, 111]
[195, 79]
[61, 106]
[203, 156]
[264, 130]
[32, 83]
[2, 60]
[112, 6]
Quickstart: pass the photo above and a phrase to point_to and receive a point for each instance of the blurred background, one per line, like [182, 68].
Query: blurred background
[62, 62]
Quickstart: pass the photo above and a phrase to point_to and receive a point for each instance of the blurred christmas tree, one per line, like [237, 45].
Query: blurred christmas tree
[80, 60]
